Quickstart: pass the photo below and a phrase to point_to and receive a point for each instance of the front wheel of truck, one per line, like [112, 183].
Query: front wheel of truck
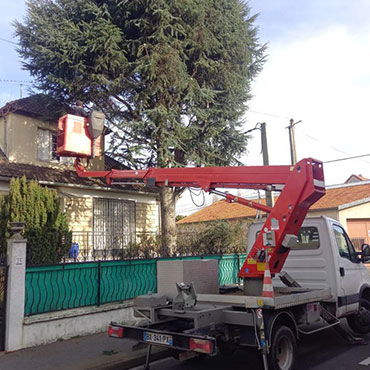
[283, 351]
[360, 322]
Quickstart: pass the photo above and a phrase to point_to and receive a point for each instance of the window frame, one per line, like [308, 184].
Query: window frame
[352, 254]
[302, 249]
[50, 146]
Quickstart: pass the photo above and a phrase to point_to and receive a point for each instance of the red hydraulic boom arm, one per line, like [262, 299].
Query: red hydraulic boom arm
[300, 185]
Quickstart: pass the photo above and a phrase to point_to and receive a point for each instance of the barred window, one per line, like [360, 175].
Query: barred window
[114, 223]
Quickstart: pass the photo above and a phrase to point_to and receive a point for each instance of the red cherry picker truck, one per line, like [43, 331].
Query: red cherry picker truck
[269, 318]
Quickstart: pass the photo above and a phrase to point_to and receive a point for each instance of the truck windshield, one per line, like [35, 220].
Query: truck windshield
[308, 238]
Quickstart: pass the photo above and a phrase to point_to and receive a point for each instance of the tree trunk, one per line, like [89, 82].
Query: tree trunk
[168, 221]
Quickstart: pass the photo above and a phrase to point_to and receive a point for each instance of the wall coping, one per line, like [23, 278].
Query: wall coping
[75, 312]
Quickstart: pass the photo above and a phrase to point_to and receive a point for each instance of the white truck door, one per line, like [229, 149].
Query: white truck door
[349, 272]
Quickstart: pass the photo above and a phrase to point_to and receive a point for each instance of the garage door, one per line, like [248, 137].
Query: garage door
[359, 232]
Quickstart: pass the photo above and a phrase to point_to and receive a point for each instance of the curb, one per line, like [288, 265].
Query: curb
[134, 360]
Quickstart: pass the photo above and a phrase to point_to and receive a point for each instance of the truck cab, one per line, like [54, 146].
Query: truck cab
[324, 257]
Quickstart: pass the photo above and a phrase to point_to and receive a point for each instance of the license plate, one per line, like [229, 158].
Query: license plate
[158, 338]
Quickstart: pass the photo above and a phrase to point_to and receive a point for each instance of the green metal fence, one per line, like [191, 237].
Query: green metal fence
[60, 287]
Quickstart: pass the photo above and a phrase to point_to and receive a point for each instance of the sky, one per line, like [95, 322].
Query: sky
[317, 72]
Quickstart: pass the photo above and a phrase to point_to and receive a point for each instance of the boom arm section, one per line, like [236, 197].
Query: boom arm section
[300, 185]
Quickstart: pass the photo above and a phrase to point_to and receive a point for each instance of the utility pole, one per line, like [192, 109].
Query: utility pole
[265, 154]
[293, 153]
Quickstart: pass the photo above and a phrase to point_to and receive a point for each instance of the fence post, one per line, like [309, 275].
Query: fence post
[15, 294]
[237, 268]
[99, 279]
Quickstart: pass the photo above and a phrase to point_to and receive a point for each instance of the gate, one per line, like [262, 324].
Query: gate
[3, 279]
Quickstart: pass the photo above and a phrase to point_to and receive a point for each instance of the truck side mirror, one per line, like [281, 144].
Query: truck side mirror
[365, 253]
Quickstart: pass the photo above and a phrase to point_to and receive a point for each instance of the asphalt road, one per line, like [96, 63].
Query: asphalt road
[320, 351]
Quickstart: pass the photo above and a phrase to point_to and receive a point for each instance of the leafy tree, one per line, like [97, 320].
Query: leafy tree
[216, 237]
[179, 217]
[48, 237]
[173, 77]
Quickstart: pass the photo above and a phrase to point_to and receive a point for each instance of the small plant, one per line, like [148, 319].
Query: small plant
[110, 353]
[147, 246]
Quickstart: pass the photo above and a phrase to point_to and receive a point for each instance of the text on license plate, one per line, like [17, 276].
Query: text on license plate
[158, 338]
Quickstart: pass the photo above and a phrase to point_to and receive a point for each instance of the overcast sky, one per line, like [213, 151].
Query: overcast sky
[317, 71]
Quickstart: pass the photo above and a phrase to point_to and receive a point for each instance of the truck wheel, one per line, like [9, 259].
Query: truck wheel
[360, 322]
[226, 351]
[283, 350]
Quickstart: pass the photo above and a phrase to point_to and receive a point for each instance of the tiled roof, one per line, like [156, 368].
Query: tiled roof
[39, 105]
[355, 178]
[343, 195]
[219, 210]
[333, 198]
[54, 175]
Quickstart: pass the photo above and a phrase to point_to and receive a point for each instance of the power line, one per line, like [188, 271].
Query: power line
[17, 81]
[267, 114]
[10, 42]
[312, 138]
[345, 159]
[330, 146]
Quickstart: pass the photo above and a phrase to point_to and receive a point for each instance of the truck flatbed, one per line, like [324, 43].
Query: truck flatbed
[284, 297]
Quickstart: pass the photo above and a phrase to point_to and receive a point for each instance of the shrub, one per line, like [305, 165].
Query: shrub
[47, 233]
[219, 237]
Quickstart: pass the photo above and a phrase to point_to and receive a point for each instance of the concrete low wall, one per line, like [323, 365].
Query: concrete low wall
[28, 331]
[54, 326]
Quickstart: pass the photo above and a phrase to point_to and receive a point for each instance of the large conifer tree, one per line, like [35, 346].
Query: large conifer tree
[173, 76]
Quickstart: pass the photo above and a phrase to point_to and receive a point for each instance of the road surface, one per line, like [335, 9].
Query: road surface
[320, 351]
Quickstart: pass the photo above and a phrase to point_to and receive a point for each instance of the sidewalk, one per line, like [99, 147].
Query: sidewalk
[93, 352]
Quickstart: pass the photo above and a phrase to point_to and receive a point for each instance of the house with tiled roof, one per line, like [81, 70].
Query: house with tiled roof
[101, 217]
[355, 178]
[347, 203]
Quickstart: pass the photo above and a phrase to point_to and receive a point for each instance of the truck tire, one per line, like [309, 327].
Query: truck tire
[360, 322]
[283, 350]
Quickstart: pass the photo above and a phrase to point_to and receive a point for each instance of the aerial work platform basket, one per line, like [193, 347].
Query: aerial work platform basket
[79, 136]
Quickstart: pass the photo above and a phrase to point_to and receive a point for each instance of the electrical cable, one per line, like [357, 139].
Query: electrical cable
[191, 208]
[345, 159]
[312, 138]
[259, 212]
[10, 42]
[267, 114]
[330, 146]
[187, 208]
[191, 191]
[17, 81]
[254, 314]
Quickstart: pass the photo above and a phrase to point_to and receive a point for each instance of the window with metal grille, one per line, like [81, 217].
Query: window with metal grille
[114, 223]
